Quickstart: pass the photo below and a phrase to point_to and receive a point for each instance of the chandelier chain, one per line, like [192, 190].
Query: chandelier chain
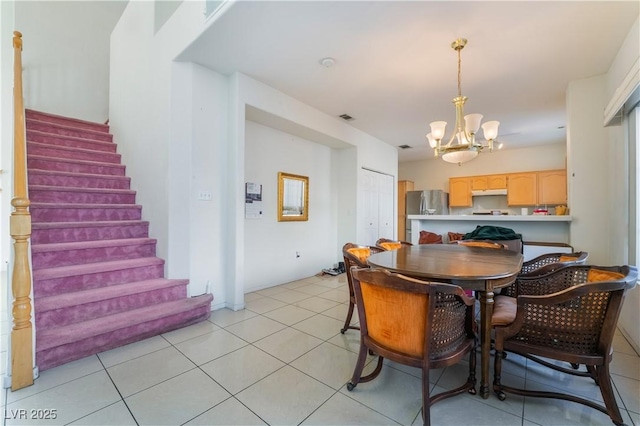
[459, 73]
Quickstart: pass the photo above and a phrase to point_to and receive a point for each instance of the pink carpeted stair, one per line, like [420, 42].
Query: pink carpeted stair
[97, 282]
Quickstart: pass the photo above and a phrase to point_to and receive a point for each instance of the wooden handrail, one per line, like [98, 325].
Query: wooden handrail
[20, 226]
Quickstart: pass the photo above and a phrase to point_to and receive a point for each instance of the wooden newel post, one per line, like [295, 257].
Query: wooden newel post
[20, 227]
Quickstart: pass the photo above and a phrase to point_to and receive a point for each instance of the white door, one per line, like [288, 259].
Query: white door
[385, 206]
[370, 207]
[377, 218]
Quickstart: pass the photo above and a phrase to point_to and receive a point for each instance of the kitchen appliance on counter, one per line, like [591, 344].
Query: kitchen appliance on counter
[428, 202]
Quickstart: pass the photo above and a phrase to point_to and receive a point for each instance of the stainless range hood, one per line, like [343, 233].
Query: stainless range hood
[478, 193]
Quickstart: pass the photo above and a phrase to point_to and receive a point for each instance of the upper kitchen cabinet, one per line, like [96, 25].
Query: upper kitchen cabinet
[497, 182]
[460, 192]
[482, 183]
[552, 187]
[522, 189]
[479, 183]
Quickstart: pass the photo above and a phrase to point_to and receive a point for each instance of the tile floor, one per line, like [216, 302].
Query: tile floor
[283, 361]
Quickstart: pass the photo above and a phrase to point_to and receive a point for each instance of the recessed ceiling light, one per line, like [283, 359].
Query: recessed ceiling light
[327, 62]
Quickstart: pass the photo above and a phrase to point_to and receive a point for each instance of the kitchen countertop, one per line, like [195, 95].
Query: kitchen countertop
[493, 218]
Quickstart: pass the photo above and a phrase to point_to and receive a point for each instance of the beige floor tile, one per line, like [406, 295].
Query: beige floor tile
[393, 393]
[296, 284]
[186, 333]
[291, 296]
[71, 401]
[350, 340]
[629, 390]
[340, 295]
[289, 314]
[313, 289]
[551, 412]
[620, 344]
[242, 368]
[320, 326]
[330, 364]
[625, 365]
[114, 415]
[472, 410]
[133, 350]
[255, 328]
[272, 290]
[176, 400]
[57, 376]
[288, 344]
[316, 304]
[226, 413]
[286, 397]
[342, 410]
[252, 296]
[266, 304]
[226, 317]
[339, 312]
[143, 372]
[210, 346]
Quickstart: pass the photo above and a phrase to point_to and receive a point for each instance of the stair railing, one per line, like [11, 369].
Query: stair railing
[20, 228]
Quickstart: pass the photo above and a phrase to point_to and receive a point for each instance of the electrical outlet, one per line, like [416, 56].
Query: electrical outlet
[205, 195]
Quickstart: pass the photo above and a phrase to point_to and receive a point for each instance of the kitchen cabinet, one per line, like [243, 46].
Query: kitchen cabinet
[481, 183]
[552, 187]
[497, 182]
[522, 189]
[460, 192]
[403, 187]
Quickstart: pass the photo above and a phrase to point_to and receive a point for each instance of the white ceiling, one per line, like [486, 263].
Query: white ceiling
[395, 71]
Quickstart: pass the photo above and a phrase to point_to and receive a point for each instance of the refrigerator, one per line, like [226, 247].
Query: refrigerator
[418, 202]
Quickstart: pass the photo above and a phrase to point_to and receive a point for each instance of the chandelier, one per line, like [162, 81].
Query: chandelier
[462, 146]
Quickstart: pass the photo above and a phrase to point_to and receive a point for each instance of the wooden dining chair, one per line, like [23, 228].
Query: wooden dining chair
[573, 319]
[542, 265]
[416, 323]
[387, 244]
[354, 255]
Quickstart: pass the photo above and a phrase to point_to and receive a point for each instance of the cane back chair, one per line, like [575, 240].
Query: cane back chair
[355, 255]
[572, 320]
[542, 265]
[416, 323]
[387, 244]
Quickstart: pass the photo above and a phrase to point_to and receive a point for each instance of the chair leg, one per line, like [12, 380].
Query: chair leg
[357, 372]
[472, 371]
[604, 382]
[347, 322]
[426, 399]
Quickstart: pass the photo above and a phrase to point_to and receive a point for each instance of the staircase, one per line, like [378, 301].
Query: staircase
[97, 282]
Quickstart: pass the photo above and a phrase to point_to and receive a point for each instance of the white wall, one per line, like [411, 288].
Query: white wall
[166, 116]
[588, 170]
[66, 56]
[435, 173]
[370, 153]
[622, 78]
[271, 246]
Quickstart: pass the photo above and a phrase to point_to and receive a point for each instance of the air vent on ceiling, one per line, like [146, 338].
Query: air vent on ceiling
[346, 117]
[405, 146]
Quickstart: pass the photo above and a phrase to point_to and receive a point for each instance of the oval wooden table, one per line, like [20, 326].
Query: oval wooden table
[472, 268]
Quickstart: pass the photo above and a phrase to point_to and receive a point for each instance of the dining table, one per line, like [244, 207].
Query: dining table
[480, 269]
